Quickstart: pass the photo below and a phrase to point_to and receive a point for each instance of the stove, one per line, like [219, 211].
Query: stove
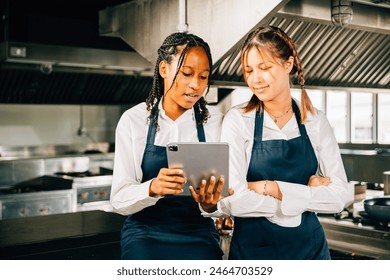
[354, 233]
[91, 190]
[58, 193]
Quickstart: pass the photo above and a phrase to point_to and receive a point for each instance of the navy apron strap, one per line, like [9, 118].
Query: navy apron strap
[199, 127]
[302, 129]
[152, 130]
[259, 125]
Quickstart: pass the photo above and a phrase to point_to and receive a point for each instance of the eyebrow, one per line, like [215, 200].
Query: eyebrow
[190, 67]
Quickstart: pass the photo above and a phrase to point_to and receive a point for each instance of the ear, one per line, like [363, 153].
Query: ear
[289, 64]
[162, 68]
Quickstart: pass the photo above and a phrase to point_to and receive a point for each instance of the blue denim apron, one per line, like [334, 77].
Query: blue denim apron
[173, 228]
[292, 161]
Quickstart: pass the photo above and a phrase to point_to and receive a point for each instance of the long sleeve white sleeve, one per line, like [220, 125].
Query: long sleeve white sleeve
[323, 199]
[244, 202]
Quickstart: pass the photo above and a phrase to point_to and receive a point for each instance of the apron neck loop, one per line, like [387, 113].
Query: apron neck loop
[259, 120]
[152, 128]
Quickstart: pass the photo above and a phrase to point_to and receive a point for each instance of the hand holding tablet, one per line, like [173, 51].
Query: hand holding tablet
[200, 161]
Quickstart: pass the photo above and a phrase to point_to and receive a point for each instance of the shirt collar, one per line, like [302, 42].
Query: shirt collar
[186, 115]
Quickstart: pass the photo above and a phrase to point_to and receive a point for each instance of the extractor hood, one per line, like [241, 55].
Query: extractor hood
[63, 35]
[51, 53]
[48, 58]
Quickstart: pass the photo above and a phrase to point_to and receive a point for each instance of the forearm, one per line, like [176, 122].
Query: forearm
[266, 187]
[129, 198]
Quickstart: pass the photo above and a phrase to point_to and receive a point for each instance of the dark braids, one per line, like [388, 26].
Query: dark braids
[166, 52]
[282, 47]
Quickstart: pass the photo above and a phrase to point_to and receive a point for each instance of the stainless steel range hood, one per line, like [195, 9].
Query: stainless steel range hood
[51, 53]
[49, 74]
[48, 58]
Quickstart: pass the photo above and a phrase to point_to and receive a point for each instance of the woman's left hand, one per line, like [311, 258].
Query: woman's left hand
[208, 195]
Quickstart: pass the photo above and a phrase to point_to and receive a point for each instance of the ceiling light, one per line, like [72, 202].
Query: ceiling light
[341, 12]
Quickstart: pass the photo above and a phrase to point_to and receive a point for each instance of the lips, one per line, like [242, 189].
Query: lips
[259, 89]
[192, 97]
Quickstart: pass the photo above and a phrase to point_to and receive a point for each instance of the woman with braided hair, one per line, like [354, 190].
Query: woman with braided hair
[285, 162]
[160, 224]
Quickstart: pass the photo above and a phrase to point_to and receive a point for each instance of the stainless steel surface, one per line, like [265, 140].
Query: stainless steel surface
[68, 62]
[358, 235]
[35, 204]
[92, 193]
[47, 151]
[331, 57]
[53, 58]
[351, 238]
[386, 182]
[365, 167]
[352, 57]
[33, 186]
[358, 152]
[131, 20]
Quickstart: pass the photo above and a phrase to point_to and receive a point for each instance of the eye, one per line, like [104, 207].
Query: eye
[204, 77]
[186, 74]
[265, 68]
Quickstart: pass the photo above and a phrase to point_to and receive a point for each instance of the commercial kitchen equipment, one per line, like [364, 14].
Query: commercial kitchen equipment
[355, 234]
[60, 184]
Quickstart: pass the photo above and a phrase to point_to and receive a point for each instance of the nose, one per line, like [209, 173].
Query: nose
[194, 83]
[258, 76]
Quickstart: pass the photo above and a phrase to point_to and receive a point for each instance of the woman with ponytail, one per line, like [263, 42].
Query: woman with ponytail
[285, 162]
[160, 224]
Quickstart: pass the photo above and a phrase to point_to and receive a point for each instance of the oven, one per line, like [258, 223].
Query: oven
[40, 203]
[57, 193]
[92, 193]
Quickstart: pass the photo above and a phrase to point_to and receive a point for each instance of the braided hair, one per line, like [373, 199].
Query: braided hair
[167, 51]
[282, 47]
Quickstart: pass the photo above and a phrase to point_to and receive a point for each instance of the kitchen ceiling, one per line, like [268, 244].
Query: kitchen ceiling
[349, 57]
[332, 57]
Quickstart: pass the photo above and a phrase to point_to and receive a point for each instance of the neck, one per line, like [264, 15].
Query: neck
[277, 109]
[172, 110]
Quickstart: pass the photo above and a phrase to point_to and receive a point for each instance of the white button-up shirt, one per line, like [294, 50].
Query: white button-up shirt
[238, 131]
[128, 194]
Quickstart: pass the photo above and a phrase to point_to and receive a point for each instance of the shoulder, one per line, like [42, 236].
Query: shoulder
[136, 110]
[137, 113]
[216, 116]
[238, 111]
[318, 116]
[214, 111]
[236, 119]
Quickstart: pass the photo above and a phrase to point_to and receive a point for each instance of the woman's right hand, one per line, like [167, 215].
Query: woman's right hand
[168, 181]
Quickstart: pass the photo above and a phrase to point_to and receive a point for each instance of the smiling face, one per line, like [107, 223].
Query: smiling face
[267, 76]
[181, 93]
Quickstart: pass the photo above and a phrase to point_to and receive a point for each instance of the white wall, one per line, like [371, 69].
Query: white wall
[31, 125]
[35, 125]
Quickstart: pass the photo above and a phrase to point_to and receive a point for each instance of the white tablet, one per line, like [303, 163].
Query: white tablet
[200, 160]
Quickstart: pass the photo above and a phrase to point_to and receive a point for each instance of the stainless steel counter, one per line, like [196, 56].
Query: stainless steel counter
[363, 237]
[353, 238]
